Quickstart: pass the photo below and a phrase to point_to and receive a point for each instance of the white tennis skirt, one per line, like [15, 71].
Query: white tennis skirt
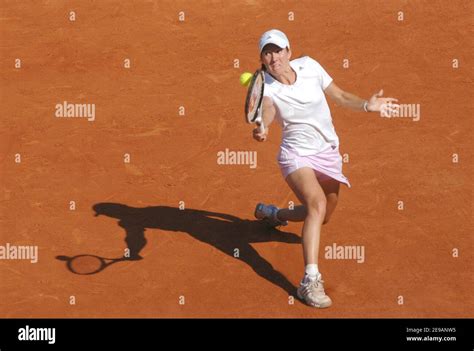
[327, 164]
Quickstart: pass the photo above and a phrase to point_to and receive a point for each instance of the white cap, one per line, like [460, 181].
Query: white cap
[273, 36]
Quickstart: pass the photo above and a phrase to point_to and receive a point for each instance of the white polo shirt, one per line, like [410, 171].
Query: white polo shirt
[302, 109]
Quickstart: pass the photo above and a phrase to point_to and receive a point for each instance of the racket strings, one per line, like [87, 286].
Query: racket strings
[255, 97]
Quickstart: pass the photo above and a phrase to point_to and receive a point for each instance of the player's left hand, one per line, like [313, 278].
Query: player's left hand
[377, 103]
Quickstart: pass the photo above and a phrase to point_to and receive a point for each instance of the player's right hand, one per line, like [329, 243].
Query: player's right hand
[260, 136]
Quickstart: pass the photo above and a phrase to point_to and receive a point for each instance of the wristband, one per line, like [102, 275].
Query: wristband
[366, 103]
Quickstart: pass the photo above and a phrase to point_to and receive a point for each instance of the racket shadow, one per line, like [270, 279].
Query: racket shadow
[88, 264]
[223, 231]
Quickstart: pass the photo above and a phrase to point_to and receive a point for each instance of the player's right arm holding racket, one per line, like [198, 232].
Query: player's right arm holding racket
[268, 115]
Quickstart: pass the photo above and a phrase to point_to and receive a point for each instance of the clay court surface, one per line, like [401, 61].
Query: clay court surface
[173, 159]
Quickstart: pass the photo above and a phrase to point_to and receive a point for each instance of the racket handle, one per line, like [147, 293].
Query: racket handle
[261, 127]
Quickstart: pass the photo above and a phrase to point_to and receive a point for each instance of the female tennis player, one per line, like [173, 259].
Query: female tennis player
[309, 157]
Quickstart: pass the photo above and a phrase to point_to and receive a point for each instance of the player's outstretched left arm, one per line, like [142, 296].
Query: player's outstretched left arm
[376, 103]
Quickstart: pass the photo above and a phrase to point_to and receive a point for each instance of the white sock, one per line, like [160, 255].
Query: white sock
[311, 270]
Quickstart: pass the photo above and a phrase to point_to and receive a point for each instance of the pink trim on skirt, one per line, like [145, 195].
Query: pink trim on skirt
[327, 164]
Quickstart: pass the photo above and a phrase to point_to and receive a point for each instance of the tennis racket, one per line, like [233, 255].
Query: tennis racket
[254, 100]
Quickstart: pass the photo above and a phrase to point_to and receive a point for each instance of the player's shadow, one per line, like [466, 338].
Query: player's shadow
[227, 233]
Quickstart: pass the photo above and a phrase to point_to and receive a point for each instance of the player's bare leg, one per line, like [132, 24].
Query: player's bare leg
[307, 189]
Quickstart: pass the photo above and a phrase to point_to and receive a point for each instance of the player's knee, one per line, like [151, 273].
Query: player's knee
[316, 207]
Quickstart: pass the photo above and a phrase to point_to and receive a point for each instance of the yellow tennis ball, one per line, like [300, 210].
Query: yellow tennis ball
[245, 78]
